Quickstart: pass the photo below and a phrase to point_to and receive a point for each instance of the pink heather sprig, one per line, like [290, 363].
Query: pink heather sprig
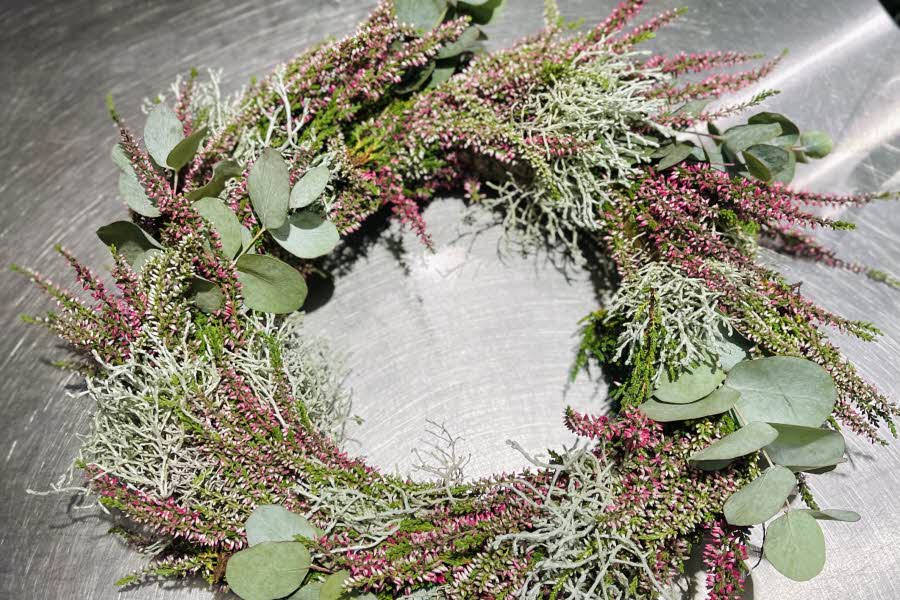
[715, 85]
[695, 62]
[724, 557]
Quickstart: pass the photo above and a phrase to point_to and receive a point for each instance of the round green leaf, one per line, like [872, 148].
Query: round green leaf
[463, 43]
[783, 389]
[443, 70]
[185, 150]
[761, 499]
[816, 144]
[719, 401]
[269, 187]
[267, 571]
[424, 15]
[743, 136]
[269, 285]
[795, 546]
[205, 295]
[224, 221]
[770, 163]
[310, 591]
[833, 514]
[789, 130]
[333, 588]
[132, 242]
[690, 386]
[481, 11]
[802, 448]
[307, 235]
[273, 523]
[162, 132]
[678, 153]
[133, 194]
[310, 187]
[222, 172]
[749, 438]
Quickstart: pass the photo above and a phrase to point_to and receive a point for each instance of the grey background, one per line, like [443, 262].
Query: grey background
[462, 336]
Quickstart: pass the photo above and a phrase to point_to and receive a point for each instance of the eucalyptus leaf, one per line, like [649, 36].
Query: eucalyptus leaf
[463, 43]
[222, 172]
[162, 132]
[678, 153]
[443, 70]
[795, 546]
[783, 389]
[269, 187]
[274, 523]
[421, 78]
[789, 130]
[205, 295]
[833, 514]
[749, 438]
[133, 194]
[246, 241]
[270, 285]
[803, 448]
[424, 15]
[761, 499]
[743, 136]
[719, 401]
[185, 150]
[307, 235]
[730, 348]
[120, 159]
[268, 571]
[481, 11]
[132, 242]
[690, 386]
[816, 144]
[310, 187]
[310, 591]
[333, 588]
[770, 163]
[224, 221]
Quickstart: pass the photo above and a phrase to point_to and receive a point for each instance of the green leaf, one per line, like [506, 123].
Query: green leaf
[121, 159]
[270, 285]
[310, 187]
[205, 295]
[816, 144]
[789, 130]
[274, 523]
[749, 438]
[185, 150]
[222, 172]
[795, 546]
[690, 386]
[802, 448]
[132, 242]
[833, 514]
[424, 15]
[730, 348]
[770, 163]
[783, 389]
[463, 43]
[721, 400]
[307, 235]
[267, 571]
[678, 153]
[443, 70]
[224, 221]
[420, 77]
[481, 11]
[761, 499]
[246, 240]
[744, 136]
[333, 588]
[269, 187]
[133, 194]
[162, 133]
[310, 591]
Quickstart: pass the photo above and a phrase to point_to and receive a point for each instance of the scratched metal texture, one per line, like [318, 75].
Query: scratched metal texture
[463, 336]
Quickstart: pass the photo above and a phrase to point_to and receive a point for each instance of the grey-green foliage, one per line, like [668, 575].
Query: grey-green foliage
[165, 140]
[268, 571]
[130, 188]
[601, 106]
[269, 285]
[274, 523]
[132, 242]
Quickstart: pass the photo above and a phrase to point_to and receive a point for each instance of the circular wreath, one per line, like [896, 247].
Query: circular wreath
[218, 426]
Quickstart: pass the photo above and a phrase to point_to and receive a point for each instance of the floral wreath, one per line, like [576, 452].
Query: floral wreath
[217, 429]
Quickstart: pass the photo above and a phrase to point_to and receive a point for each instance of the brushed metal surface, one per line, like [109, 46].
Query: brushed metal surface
[458, 336]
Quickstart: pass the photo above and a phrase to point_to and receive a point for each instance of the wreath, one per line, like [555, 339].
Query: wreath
[218, 424]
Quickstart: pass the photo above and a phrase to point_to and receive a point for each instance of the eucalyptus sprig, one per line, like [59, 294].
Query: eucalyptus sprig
[780, 404]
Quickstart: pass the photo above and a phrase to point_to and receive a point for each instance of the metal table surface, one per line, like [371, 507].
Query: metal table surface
[460, 336]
